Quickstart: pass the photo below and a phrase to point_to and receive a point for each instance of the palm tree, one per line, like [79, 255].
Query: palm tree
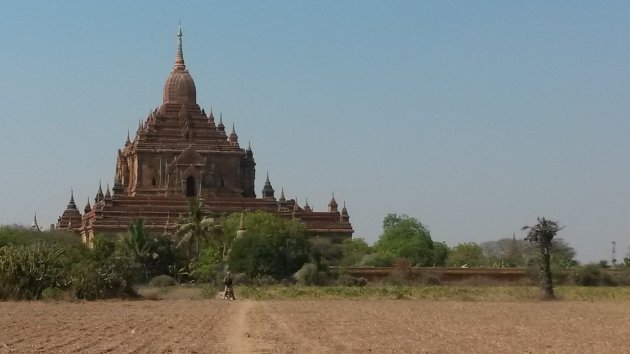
[196, 230]
[138, 245]
[542, 235]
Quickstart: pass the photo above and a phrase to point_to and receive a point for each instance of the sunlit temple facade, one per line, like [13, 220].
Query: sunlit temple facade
[180, 151]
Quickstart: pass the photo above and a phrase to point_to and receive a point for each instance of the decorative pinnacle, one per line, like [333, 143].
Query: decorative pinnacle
[179, 57]
[282, 198]
[71, 196]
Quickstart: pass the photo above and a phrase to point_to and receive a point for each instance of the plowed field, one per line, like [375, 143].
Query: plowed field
[318, 326]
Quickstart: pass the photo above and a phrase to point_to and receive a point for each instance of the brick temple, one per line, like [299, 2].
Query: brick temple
[180, 152]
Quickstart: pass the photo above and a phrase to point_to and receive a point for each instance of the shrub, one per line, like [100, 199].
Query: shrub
[25, 271]
[348, 280]
[56, 294]
[263, 280]
[560, 275]
[622, 277]
[208, 267]
[360, 281]
[162, 281]
[309, 275]
[106, 280]
[345, 280]
[240, 279]
[592, 275]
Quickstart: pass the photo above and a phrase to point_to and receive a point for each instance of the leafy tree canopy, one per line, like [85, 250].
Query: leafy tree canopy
[406, 237]
[541, 235]
[353, 250]
[467, 253]
[196, 231]
[440, 253]
[270, 246]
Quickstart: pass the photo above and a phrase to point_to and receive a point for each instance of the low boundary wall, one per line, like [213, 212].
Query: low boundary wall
[441, 274]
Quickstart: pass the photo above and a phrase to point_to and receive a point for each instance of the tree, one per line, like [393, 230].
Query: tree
[541, 235]
[467, 254]
[323, 252]
[406, 237]
[137, 245]
[440, 253]
[270, 246]
[521, 253]
[353, 250]
[155, 254]
[196, 231]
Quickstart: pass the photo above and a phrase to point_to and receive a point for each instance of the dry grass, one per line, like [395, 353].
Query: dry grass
[315, 326]
[460, 293]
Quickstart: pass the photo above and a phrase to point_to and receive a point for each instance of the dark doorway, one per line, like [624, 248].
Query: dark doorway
[190, 186]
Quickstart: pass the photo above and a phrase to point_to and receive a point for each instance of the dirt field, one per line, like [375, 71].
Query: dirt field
[319, 326]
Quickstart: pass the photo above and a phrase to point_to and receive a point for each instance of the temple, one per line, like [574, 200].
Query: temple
[179, 152]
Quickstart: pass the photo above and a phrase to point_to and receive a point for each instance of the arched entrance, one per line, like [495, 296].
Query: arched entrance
[190, 186]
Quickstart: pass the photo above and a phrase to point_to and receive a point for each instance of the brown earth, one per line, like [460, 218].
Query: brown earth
[314, 326]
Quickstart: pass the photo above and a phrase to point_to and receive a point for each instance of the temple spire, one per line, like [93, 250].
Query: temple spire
[88, 207]
[268, 192]
[99, 194]
[233, 138]
[282, 198]
[221, 127]
[332, 205]
[108, 195]
[307, 207]
[179, 57]
[71, 204]
[35, 226]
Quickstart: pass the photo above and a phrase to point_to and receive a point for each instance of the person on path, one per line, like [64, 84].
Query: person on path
[229, 290]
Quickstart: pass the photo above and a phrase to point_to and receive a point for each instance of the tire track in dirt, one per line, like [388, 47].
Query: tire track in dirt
[239, 338]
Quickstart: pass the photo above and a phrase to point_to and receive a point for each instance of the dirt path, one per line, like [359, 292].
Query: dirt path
[239, 338]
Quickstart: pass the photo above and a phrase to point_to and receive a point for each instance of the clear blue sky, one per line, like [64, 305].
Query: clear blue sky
[473, 116]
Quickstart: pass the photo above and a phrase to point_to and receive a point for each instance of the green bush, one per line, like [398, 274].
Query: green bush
[16, 235]
[592, 275]
[111, 279]
[622, 277]
[162, 281]
[25, 271]
[348, 280]
[56, 294]
[264, 280]
[208, 267]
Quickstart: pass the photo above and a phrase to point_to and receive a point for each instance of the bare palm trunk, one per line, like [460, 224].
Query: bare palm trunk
[545, 270]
